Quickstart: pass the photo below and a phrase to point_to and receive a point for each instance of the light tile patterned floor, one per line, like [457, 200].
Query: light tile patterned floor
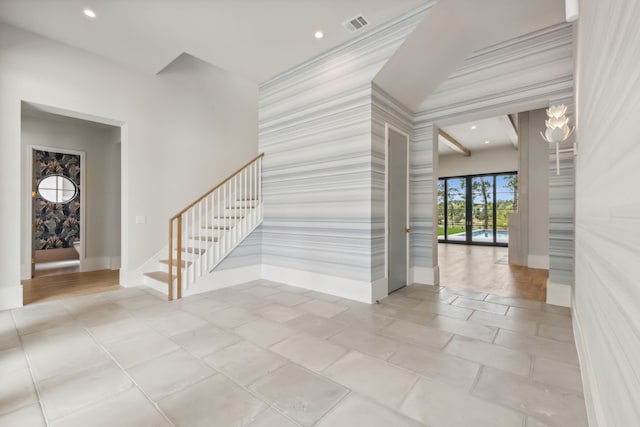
[265, 354]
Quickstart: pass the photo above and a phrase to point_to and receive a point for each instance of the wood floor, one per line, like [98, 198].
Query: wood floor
[486, 269]
[49, 288]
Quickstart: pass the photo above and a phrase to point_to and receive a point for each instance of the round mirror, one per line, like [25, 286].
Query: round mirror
[57, 189]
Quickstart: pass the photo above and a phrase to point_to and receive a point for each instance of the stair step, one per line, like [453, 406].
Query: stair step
[218, 227]
[160, 276]
[241, 207]
[207, 238]
[196, 251]
[228, 217]
[175, 262]
[247, 199]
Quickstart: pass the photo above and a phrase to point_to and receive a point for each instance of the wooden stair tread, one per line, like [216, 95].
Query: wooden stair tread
[218, 227]
[160, 276]
[175, 262]
[228, 217]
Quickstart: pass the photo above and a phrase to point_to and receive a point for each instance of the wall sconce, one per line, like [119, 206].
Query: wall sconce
[558, 131]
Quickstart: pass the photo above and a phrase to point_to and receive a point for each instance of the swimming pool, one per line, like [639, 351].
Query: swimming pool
[482, 235]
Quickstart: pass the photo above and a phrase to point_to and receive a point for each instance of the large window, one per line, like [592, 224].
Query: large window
[475, 208]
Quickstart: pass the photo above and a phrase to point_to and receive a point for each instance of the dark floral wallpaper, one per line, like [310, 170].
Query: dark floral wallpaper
[56, 225]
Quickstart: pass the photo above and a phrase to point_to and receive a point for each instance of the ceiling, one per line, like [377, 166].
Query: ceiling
[257, 39]
[497, 130]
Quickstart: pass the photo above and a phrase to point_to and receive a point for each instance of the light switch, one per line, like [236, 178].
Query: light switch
[141, 219]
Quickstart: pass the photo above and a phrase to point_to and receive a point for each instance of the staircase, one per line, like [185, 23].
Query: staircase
[210, 228]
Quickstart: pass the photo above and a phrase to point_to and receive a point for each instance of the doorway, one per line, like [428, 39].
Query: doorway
[474, 209]
[56, 208]
[397, 207]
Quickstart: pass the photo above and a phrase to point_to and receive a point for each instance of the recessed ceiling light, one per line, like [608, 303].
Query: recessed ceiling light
[486, 142]
[319, 34]
[474, 127]
[90, 13]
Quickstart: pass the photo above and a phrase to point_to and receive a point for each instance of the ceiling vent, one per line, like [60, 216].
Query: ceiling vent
[356, 23]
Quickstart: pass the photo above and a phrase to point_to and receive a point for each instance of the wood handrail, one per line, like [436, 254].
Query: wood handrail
[215, 188]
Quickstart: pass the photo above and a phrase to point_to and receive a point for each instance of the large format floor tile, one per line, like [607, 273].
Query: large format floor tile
[439, 405]
[299, 394]
[358, 411]
[245, 362]
[371, 377]
[554, 406]
[214, 402]
[263, 354]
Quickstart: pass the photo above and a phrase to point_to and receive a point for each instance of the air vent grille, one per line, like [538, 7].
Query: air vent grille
[356, 23]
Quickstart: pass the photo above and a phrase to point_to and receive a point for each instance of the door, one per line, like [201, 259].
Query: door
[482, 227]
[397, 209]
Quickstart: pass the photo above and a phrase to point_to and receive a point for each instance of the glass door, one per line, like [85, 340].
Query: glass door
[482, 209]
[475, 209]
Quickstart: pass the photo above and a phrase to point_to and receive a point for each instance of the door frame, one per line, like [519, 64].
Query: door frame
[387, 127]
[83, 187]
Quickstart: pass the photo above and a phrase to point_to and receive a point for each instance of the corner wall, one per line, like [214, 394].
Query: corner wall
[322, 167]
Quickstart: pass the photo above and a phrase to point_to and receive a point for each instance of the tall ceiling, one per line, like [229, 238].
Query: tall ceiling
[254, 38]
[498, 131]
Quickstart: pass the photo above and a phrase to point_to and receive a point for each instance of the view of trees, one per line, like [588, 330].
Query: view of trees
[453, 192]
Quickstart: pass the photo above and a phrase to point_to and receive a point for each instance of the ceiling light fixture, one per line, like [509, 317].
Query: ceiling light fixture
[558, 131]
[487, 141]
[90, 13]
[474, 127]
[319, 34]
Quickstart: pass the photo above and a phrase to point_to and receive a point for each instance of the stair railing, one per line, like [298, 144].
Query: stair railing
[210, 227]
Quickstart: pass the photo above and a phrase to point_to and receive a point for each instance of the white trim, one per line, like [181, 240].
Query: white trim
[339, 286]
[559, 294]
[116, 261]
[592, 397]
[425, 275]
[29, 214]
[95, 263]
[387, 127]
[538, 261]
[10, 297]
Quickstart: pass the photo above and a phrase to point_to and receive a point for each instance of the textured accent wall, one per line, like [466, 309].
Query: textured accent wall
[607, 288]
[56, 225]
[517, 75]
[322, 170]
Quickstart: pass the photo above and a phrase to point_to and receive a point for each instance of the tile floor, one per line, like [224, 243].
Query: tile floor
[265, 354]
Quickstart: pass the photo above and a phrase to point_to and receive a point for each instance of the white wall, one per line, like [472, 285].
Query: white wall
[501, 159]
[100, 143]
[607, 285]
[184, 130]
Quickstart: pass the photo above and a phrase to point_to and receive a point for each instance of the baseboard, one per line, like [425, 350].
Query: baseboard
[339, 286]
[538, 261]
[10, 297]
[25, 271]
[425, 275]
[97, 263]
[116, 262]
[591, 389]
[559, 294]
[223, 279]
[379, 289]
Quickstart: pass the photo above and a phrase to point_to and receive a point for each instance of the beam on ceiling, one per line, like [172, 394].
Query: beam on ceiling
[510, 128]
[453, 143]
